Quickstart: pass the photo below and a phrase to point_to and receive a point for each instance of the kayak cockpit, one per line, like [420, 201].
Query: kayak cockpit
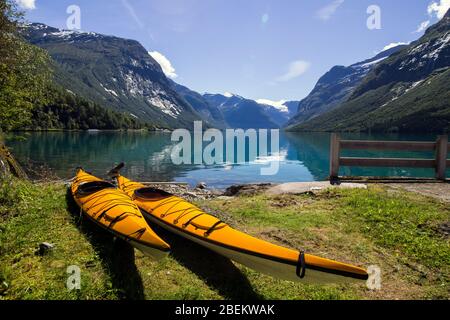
[151, 194]
[89, 188]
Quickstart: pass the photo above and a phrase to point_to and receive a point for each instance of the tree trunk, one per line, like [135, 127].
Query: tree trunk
[8, 164]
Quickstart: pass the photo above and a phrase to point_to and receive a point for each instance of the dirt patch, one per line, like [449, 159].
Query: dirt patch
[278, 235]
[247, 189]
[288, 201]
[440, 191]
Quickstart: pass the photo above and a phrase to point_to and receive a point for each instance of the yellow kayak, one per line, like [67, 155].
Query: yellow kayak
[190, 222]
[113, 210]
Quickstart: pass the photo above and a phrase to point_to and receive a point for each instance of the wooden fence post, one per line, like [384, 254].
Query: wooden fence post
[441, 157]
[334, 156]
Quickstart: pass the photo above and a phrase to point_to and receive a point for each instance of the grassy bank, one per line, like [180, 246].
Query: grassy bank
[397, 231]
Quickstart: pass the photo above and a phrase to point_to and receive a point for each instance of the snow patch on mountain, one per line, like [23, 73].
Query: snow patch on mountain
[440, 45]
[109, 90]
[432, 50]
[402, 90]
[370, 64]
[279, 105]
[165, 106]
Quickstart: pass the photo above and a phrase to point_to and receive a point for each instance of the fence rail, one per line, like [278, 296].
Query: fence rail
[440, 163]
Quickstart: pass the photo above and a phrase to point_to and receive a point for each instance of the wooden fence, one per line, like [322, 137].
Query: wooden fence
[440, 162]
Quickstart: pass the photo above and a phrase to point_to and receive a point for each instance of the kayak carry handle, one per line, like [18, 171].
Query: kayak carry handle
[115, 172]
[301, 265]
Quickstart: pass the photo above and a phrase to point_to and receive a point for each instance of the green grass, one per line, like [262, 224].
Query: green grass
[397, 231]
[405, 224]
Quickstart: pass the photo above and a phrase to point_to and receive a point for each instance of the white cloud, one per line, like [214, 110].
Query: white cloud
[296, 69]
[327, 12]
[423, 26]
[280, 105]
[439, 9]
[393, 45]
[265, 18]
[165, 64]
[27, 4]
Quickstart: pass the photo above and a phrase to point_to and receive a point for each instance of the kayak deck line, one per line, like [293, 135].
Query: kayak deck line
[211, 232]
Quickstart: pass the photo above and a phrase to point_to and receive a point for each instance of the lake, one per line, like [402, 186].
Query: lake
[302, 156]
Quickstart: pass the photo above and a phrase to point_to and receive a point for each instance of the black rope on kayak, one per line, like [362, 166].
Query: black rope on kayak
[208, 232]
[125, 198]
[113, 205]
[301, 265]
[185, 213]
[108, 204]
[192, 219]
[138, 232]
[120, 217]
[176, 201]
[101, 215]
[130, 185]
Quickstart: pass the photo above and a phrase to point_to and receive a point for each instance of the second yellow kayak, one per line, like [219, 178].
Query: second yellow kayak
[190, 222]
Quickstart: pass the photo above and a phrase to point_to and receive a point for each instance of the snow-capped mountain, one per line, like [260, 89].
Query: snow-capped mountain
[279, 111]
[240, 112]
[409, 91]
[209, 112]
[114, 72]
[336, 86]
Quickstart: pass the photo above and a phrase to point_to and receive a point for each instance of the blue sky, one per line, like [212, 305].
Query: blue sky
[272, 49]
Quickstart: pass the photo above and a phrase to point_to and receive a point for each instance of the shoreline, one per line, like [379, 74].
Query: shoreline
[90, 130]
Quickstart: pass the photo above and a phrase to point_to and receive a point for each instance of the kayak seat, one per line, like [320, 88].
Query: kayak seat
[89, 188]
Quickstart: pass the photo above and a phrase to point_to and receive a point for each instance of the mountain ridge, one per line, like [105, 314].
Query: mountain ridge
[113, 72]
[335, 86]
[407, 92]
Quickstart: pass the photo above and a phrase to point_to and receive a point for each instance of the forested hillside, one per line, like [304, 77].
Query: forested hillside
[69, 112]
[29, 97]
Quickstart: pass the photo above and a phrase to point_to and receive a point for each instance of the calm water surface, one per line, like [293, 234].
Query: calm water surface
[303, 157]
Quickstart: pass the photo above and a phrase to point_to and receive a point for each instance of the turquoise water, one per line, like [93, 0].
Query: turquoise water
[303, 157]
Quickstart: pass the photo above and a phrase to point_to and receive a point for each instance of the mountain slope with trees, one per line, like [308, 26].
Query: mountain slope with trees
[66, 111]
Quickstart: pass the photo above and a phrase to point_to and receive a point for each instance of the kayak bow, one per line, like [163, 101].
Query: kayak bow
[190, 222]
